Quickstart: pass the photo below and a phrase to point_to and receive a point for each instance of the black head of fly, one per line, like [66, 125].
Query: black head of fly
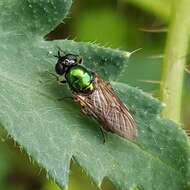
[65, 62]
[78, 77]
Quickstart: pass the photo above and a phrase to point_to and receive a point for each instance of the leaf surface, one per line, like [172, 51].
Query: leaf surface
[54, 132]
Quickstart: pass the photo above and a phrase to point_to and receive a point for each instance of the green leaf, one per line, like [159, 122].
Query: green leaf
[54, 132]
[32, 17]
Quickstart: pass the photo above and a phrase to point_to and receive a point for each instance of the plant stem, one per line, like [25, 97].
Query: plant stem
[175, 58]
[159, 8]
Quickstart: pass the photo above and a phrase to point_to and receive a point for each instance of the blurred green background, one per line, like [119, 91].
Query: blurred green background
[123, 24]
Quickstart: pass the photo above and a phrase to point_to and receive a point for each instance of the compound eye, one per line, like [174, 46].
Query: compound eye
[59, 69]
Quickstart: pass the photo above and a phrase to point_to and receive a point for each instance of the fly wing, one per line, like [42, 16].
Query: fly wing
[108, 109]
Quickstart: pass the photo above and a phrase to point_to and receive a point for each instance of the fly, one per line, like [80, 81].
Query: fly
[96, 96]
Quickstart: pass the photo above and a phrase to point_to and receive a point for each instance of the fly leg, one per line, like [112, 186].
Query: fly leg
[57, 78]
[103, 135]
[61, 82]
[86, 112]
[63, 98]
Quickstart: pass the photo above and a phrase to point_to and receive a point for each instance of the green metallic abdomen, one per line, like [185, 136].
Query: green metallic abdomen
[79, 79]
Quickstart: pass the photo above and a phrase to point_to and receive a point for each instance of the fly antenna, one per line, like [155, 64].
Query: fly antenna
[60, 52]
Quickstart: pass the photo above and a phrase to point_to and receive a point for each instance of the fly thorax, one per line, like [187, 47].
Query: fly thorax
[79, 79]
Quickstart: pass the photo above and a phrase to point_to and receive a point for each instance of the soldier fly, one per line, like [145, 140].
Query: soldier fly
[96, 96]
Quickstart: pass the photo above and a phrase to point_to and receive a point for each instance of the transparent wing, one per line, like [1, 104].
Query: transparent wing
[108, 109]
